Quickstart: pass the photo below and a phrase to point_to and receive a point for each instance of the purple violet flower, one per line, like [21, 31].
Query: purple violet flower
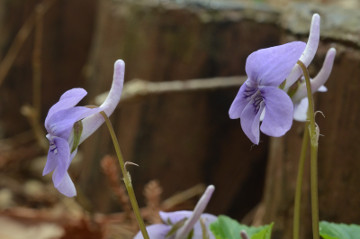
[65, 134]
[260, 94]
[261, 98]
[181, 224]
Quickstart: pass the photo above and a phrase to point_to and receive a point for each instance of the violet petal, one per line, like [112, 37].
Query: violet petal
[300, 110]
[63, 159]
[61, 123]
[279, 112]
[66, 186]
[67, 100]
[270, 66]
[250, 120]
[239, 103]
[156, 231]
[51, 162]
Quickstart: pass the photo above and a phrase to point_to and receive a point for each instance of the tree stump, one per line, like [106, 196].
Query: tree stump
[65, 43]
[184, 138]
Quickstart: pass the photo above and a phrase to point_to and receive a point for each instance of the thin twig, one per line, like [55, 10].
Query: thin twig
[34, 113]
[138, 88]
[20, 39]
[22, 138]
[183, 196]
[29, 113]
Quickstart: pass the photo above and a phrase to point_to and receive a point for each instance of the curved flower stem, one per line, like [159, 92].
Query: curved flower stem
[314, 135]
[127, 178]
[299, 181]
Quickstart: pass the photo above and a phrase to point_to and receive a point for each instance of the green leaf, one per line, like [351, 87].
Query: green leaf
[329, 230]
[226, 228]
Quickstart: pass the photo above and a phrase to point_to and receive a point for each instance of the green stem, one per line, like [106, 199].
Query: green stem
[299, 181]
[313, 156]
[127, 178]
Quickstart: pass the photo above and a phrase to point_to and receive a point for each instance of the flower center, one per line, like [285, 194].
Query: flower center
[250, 90]
[257, 100]
[53, 147]
[252, 94]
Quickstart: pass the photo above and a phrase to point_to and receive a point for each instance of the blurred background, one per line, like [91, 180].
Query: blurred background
[182, 139]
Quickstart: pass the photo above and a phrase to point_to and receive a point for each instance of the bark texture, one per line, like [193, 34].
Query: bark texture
[186, 138]
[64, 51]
[338, 146]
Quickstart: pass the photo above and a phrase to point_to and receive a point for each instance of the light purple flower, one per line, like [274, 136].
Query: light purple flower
[179, 224]
[260, 94]
[256, 101]
[65, 134]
